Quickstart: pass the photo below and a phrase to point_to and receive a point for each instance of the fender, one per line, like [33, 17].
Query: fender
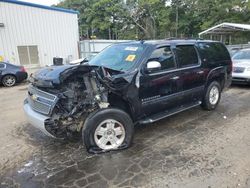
[217, 72]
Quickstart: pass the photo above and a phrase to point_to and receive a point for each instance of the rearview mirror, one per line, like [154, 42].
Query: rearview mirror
[153, 66]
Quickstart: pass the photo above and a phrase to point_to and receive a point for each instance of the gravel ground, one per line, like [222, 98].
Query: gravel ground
[192, 149]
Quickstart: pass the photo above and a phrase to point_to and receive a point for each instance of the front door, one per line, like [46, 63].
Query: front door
[159, 90]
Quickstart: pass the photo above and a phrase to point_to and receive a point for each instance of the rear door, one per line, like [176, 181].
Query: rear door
[192, 74]
[160, 90]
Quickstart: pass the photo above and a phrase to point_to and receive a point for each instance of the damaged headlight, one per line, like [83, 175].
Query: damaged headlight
[98, 97]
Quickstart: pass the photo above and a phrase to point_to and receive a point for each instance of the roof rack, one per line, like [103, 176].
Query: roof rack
[184, 38]
[171, 38]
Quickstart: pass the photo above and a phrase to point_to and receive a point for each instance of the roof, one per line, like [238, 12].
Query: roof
[166, 41]
[40, 6]
[226, 28]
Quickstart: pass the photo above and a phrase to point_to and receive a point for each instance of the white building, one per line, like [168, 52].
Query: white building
[32, 34]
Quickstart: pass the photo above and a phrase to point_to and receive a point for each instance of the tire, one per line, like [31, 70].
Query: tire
[107, 129]
[9, 80]
[212, 96]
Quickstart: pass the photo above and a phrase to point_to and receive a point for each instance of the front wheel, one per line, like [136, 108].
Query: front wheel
[107, 129]
[212, 96]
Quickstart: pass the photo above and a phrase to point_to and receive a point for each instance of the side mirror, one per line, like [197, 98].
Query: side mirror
[153, 66]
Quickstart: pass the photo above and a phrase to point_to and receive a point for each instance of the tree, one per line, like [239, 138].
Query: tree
[154, 19]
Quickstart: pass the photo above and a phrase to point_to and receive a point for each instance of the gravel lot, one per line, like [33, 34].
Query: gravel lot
[195, 148]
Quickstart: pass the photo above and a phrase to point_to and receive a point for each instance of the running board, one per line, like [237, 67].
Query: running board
[165, 114]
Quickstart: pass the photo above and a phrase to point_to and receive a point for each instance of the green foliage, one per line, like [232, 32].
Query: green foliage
[149, 19]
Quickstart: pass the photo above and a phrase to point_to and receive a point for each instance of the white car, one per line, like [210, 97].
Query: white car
[241, 66]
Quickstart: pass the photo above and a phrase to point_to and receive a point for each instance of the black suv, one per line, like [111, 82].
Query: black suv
[127, 83]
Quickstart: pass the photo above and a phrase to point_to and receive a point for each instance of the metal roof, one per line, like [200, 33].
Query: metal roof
[226, 28]
[40, 6]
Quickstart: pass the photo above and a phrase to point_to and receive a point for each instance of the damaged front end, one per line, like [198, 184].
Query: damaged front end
[65, 96]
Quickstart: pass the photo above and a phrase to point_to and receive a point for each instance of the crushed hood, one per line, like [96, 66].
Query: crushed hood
[55, 75]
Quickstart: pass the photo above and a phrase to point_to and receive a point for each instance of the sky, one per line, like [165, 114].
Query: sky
[43, 2]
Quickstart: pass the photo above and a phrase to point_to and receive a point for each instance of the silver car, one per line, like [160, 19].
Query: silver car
[241, 66]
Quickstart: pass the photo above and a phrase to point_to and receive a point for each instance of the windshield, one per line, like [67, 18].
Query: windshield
[242, 55]
[119, 57]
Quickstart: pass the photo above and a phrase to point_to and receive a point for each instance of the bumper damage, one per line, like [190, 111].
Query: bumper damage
[36, 119]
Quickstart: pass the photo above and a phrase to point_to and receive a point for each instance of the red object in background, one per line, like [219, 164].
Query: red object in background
[231, 66]
[23, 69]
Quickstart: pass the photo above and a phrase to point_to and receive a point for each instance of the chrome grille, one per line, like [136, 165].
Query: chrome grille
[238, 69]
[41, 93]
[41, 101]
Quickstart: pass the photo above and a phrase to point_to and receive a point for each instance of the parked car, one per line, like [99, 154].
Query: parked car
[232, 51]
[127, 83]
[241, 66]
[11, 74]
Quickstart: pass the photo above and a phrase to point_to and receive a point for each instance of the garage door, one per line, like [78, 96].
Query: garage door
[28, 55]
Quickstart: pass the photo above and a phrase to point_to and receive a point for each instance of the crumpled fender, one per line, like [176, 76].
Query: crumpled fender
[125, 86]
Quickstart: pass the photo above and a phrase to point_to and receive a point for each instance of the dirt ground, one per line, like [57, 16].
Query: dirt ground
[192, 149]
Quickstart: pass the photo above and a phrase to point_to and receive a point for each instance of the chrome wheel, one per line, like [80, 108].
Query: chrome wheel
[214, 95]
[109, 134]
[9, 80]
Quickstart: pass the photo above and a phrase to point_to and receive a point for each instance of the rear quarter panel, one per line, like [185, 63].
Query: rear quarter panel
[217, 62]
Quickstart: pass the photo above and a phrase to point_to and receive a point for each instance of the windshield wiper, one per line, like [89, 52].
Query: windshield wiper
[84, 61]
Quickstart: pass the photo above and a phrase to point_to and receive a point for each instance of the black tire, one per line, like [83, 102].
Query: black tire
[206, 103]
[96, 118]
[9, 80]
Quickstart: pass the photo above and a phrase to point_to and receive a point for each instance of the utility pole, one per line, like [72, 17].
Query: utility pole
[176, 20]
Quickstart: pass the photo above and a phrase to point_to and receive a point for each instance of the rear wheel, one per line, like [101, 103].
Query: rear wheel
[212, 96]
[9, 80]
[107, 129]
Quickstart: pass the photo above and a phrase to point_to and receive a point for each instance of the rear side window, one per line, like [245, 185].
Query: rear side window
[165, 56]
[213, 52]
[186, 55]
[2, 65]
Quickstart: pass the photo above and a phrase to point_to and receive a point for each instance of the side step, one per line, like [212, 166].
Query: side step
[168, 113]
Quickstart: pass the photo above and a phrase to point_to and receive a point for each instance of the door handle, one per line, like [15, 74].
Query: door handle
[175, 78]
[200, 72]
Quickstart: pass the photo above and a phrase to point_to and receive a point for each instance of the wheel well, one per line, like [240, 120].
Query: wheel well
[219, 78]
[8, 75]
[117, 102]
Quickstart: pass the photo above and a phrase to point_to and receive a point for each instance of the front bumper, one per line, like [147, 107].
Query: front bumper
[241, 77]
[36, 119]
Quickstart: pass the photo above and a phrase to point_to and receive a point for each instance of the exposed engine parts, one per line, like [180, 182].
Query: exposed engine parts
[80, 95]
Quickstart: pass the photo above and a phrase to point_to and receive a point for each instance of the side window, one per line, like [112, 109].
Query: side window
[187, 55]
[213, 52]
[2, 65]
[165, 56]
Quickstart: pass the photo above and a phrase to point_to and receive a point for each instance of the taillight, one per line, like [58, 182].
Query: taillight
[230, 66]
[23, 69]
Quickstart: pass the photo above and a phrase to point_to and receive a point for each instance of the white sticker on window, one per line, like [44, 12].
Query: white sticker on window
[131, 48]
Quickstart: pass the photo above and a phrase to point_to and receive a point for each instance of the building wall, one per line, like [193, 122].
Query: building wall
[54, 32]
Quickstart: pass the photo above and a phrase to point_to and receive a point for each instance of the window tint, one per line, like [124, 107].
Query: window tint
[213, 52]
[165, 56]
[2, 65]
[186, 55]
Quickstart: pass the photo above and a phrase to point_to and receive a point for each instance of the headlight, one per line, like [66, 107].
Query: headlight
[248, 69]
